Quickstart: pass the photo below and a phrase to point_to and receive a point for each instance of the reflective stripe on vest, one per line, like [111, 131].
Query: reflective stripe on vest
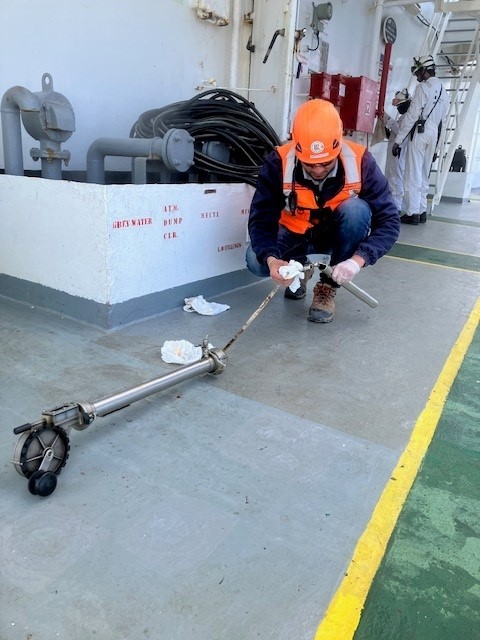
[298, 220]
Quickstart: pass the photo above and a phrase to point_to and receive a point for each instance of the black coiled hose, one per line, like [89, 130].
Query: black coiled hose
[217, 115]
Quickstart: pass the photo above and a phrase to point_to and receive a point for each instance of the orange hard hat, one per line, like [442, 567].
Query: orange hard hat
[317, 132]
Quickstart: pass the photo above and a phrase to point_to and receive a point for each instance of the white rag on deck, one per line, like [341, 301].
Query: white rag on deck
[181, 352]
[204, 308]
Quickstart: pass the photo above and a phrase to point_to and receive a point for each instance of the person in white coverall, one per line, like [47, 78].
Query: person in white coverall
[395, 165]
[422, 122]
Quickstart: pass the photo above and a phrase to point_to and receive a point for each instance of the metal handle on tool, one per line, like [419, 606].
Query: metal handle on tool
[359, 293]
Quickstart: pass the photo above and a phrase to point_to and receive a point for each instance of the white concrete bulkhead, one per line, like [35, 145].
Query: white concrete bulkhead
[140, 248]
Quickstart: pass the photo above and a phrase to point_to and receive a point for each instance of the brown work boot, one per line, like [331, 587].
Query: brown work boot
[323, 304]
[302, 289]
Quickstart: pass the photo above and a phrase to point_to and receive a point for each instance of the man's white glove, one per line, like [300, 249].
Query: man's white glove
[345, 271]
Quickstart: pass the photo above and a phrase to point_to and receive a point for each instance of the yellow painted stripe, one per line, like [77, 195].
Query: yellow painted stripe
[431, 264]
[343, 614]
[422, 246]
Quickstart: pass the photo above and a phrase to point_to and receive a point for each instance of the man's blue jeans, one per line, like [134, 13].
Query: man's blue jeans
[348, 225]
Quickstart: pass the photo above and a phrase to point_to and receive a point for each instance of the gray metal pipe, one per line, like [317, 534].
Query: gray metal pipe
[214, 362]
[15, 99]
[175, 150]
[125, 147]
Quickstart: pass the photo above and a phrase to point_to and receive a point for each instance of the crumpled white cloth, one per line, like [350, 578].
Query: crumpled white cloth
[293, 270]
[181, 352]
[204, 308]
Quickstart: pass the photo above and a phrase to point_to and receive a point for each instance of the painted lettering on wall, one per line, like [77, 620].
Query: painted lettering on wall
[171, 208]
[245, 212]
[205, 215]
[131, 222]
[229, 247]
[171, 222]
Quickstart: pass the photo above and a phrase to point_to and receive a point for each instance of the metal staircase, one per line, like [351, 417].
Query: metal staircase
[453, 39]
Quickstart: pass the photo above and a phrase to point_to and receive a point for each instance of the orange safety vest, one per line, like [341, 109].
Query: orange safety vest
[298, 221]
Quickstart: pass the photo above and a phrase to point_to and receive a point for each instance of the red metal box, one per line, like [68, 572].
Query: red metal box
[338, 90]
[358, 109]
[320, 84]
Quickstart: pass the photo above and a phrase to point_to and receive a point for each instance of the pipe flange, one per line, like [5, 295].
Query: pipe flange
[220, 358]
[177, 150]
[50, 154]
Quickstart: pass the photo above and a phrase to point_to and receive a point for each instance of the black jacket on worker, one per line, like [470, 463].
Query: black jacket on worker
[269, 201]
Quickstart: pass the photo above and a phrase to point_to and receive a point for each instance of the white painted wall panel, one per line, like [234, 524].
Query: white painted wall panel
[163, 236]
[54, 233]
[113, 243]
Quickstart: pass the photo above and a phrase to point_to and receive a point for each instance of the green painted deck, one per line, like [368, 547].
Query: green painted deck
[428, 585]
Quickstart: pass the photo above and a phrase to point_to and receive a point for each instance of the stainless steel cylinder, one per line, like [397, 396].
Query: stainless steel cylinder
[214, 362]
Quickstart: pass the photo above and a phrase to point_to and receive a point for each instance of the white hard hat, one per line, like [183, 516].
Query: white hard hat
[423, 62]
[400, 97]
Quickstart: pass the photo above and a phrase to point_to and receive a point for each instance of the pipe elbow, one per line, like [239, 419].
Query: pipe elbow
[19, 99]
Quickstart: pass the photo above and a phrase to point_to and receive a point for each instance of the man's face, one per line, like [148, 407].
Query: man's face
[320, 170]
[420, 75]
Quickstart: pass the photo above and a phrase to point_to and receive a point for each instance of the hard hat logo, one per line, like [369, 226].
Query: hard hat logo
[313, 119]
[317, 147]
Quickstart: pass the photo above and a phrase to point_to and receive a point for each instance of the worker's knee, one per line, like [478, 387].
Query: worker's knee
[253, 265]
[354, 216]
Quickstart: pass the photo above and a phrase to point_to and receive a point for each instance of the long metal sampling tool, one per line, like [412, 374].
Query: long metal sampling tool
[349, 286]
[42, 448]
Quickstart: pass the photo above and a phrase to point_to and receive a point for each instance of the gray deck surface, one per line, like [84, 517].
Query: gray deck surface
[226, 507]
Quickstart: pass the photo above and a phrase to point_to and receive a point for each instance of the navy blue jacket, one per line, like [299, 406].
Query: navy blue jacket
[269, 201]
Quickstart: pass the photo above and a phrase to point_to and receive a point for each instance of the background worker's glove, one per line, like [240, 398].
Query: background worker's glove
[345, 271]
[396, 150]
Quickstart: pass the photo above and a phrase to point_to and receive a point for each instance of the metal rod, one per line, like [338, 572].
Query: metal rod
[359, 293]
[253, 316]
[123, 398]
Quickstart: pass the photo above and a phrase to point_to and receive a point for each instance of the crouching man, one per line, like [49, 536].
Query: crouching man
[320, 193]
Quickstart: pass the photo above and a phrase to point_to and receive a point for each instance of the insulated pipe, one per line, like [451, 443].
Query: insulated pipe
[15, 99]
[236, 24]
[289, 75]
[373, 71]
[214, 362]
